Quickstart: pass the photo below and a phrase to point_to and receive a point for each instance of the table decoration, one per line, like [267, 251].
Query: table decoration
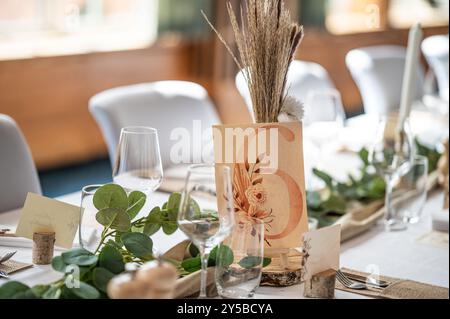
[398, 288]
[43, 247]
[268, 183]
[125, 239]
[357, 203]
[41, 214]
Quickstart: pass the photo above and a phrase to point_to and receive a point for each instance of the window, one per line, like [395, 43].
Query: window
[404, 13]
[353, 16]
[55, 27]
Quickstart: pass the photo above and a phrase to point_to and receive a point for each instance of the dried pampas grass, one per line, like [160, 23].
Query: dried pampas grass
[267, 41]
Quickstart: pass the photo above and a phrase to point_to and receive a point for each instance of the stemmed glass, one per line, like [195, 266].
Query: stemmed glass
[138, 160]
[391, 155]
[324, 120]
[200, 217]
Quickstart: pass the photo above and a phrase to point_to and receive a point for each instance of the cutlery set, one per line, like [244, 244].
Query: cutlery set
[357, 282]
[3, 259]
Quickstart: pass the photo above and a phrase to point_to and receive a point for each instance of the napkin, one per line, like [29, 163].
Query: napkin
[12, 266]
[398, 289]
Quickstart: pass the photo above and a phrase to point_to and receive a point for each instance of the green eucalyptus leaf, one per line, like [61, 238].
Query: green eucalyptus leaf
[12, 290]
[313, 199]
[101, 278]
[364, 156]
[335, 204]
[324, 177]
[85, 291]
[153, 222]
[193, 250]
[251, 262]
[151, 229]
[138, 244]
[80, 257]
[192, 264]
[136, 200]
[110, 196]
[54, 292]
[111, 259]
[58, 264]
[40, 290]
[169, 227]
[114, 218]
[173, 205]
[224, 256]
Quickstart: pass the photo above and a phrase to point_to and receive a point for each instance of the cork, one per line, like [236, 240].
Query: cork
[43, 246]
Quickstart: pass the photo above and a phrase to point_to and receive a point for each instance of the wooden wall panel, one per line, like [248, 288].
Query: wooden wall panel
[48, 97]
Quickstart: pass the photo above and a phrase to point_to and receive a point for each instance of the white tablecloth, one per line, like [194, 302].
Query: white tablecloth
[396, 254]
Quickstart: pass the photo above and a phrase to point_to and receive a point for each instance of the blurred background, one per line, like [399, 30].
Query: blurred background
[56, 54]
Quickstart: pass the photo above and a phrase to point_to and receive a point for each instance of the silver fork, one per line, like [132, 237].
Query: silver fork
[347, 282]
[7, 257]
[3, 275]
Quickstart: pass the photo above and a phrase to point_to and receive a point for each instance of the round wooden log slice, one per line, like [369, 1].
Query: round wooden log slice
[43, 246]
[284, 278]
[275, 275]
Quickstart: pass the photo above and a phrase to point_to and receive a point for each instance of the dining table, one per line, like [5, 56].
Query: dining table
[418, 253]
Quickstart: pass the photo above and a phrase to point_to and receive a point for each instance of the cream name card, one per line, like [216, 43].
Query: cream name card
[41, 214]
[322, 248]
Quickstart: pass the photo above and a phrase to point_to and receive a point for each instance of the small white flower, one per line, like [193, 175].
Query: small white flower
[292, 110]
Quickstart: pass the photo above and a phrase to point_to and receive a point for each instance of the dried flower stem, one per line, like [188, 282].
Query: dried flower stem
[267, 41]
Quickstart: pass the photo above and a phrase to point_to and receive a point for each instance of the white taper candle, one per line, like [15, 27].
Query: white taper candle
[410, 75]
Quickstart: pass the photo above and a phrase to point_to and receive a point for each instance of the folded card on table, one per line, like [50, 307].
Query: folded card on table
[42, 214]
[322, 249]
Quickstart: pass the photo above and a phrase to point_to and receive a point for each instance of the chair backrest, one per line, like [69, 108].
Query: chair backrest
[378, 73]
[435, 49]
[303, 78]
[164, 105]
[18, 174]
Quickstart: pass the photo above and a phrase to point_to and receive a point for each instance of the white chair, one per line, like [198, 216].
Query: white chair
[18, 174]
[165, 106]
[435, 49]
[378, 73]
[303, 78]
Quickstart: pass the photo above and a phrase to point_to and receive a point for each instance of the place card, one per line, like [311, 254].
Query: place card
[42, 214]
[321, 249]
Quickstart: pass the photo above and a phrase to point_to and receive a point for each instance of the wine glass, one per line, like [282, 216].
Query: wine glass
[324, 121]
[200, 216]
[391, 154]
[138, 160]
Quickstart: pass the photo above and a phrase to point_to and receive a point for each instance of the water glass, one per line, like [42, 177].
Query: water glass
[391, 155]
[138, 160]
[239, 261]
[410, 192]
[87, 213]
[200, 217]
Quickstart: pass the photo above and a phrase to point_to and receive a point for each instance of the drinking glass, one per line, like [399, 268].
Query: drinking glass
[324, 121]
[138, 160]
[87, 214]
[200, 217]
[391, 155]
[239, 261]
[410, 193]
